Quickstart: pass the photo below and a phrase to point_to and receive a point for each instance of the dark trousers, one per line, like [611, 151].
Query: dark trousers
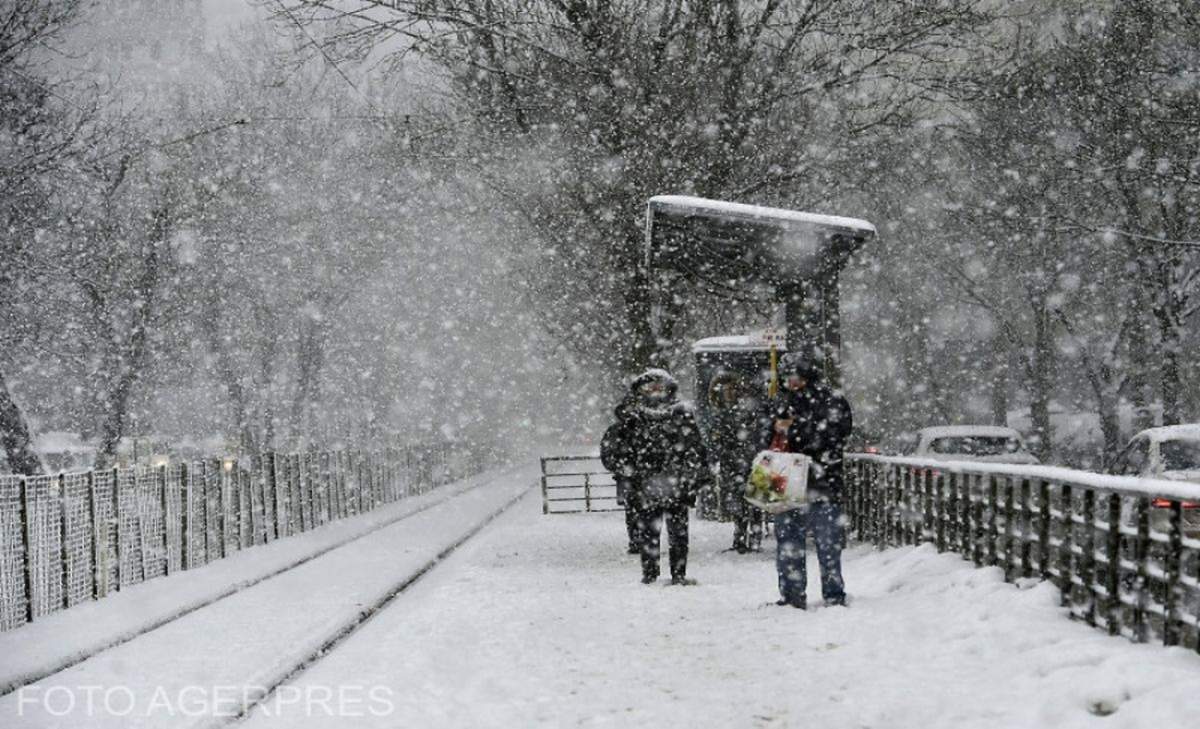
[631, 528]
[625, 499]
[791, 529]
[748, 529]
[649, 526]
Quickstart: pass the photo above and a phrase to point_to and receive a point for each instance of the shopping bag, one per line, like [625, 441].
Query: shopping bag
[778, 482]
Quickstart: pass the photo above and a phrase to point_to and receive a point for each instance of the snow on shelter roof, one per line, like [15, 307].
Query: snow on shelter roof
[731, 243]
[759, 213]
[731, 343]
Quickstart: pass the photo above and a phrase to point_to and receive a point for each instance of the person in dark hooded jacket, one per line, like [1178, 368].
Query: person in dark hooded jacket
[816, 421]
[656, 448]
[735, 422]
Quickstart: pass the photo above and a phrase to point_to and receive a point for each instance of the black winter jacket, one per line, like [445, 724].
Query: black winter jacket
[822, 422]
[647, 442]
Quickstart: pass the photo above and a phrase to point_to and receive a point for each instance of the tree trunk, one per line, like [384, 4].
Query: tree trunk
[639, 297]
[1110, 429]
[226, 370]
[18, 446]
[1042, 382]
[999, 380]
[310, 361]
[1171, 383]
[132, 357]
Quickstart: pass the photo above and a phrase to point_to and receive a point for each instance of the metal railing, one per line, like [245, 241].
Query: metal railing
[76, 537]
[571, 481]
[1124, 552]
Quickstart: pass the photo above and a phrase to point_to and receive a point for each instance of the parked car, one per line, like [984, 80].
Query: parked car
[1172, 453]
[986, 443]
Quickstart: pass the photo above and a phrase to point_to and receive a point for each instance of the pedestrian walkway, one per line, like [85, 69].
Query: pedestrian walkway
[542, 621]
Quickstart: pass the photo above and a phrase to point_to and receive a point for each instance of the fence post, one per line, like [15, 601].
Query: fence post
[1044, 529]
[1112, 553]
[97, 542]
[27, 549]
[1010, 539]
[993, 531]
[63, 551]
[926, 526]
[222, 508]
[270, 490]
[587, 493]
[117, 519]
[339, 484]
[204, 510]
[1087, 562]
[1172, 568]
[264, 520]
[1026, 518]
[308, 490]
[1141, 552]
[312, 478]
[166, 545]
[1065, 562]
[545, 488]
[977, 522]
[953, 539]
[890, 478]
[185, 517]
[908, 526]
[245, 503]
[327, 480]
[939, 510]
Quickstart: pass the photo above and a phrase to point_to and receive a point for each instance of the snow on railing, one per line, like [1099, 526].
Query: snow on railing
[1124, 552]
[74, 537]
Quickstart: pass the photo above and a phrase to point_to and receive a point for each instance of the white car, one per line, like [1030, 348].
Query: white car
[1171, 452]
[986, 443]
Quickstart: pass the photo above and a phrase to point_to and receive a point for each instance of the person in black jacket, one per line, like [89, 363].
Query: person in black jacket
[656, 448]
[817, 421]
[733, 435]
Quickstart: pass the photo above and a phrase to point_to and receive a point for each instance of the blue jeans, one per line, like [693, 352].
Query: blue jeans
[823, 518]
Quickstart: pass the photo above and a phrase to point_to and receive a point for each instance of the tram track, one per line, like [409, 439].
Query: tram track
[345, 631]
[13, 685]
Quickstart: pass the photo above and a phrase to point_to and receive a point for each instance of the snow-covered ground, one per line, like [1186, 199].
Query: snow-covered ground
[62, 638]
[192, 670]
[541, 621]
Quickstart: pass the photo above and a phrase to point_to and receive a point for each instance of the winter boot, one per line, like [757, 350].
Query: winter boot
[800, 603]
[739, 536]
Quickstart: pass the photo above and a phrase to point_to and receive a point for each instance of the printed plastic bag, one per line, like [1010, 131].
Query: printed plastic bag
[778, 481]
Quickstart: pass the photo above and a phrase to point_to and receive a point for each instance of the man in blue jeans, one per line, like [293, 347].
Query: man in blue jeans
[816, 421]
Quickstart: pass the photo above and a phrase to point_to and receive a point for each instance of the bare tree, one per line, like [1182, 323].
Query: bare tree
[594, 108]
[43, 132]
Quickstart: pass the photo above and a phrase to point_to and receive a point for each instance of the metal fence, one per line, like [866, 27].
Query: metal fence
[75, 537]
[572, 484]
[1126, 559]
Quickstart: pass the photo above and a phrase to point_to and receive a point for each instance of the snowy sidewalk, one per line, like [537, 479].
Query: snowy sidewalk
[541, 621]
[251, 638]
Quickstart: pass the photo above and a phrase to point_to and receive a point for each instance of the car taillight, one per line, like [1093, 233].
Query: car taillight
[1166, 504]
